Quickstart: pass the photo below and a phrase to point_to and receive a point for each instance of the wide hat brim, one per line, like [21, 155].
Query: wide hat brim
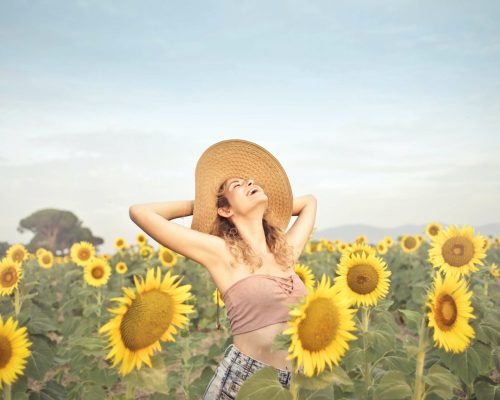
[240, 158]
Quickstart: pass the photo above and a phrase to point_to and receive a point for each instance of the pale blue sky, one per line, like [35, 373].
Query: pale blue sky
[388, 112]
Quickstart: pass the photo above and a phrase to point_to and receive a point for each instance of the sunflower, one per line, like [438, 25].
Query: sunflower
[305, 274]
[320, 328]
[167, 257]
[330, 247]
[363, 278]
[97, 272]
[486, 244]
[121, 267]
[343, 247]
[432, 229]
[214, 295]
[358, 248]
[39, 251]
[494, 271]
[120, 243]
[451, 309]
[456, 251]
[497, 240]
[141, 239]
[11, 273]
[145, 318]
[146, 252]
[388, 240]
[18, 253]
[382, 247]
[361, 239]
[315, 247]
[14, 350]
[409, 243]
[82, 252]
[46, 259]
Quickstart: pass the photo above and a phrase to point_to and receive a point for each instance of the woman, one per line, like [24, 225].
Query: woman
[243, 204]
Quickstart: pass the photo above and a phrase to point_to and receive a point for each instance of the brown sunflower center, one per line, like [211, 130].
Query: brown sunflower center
[410, 242]
[319, 328]
[445, 312]
[147, 319]
[83, 254]
[97, 272]
[46, 259]
[5, 351]
[433, 230]
[18, 255]
[457, 251]
[362, 278]
[8, 277]
[167, 256]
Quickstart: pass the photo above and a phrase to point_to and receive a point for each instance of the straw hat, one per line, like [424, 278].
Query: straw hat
[240, 158]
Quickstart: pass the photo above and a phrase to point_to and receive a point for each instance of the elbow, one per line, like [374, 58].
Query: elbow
[132, 210]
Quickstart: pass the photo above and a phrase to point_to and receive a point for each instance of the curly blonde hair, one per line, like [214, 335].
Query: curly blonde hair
[275, 238]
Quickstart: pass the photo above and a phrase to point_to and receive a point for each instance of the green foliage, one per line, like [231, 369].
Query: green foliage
[62, 315]
[263, 384]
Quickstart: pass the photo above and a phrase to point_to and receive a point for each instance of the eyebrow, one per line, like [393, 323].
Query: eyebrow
[232, 181]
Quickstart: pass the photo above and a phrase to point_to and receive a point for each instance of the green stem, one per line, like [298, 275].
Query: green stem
[419, 371]
[99, 306]
[7, 392]
[365, 317]
[486, 287]
[17, 302]
[294, 390]
[129, 395]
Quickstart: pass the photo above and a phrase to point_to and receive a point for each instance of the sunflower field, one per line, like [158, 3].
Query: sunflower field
[415, 317]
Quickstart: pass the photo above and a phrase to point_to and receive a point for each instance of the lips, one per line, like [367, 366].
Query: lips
[255, 190]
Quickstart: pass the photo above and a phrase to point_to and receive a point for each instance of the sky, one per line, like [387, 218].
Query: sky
[388, 112]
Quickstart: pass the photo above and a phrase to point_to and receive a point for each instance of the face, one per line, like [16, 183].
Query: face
[244, 195]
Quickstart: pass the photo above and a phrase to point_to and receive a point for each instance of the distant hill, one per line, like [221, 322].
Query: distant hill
[347, 233]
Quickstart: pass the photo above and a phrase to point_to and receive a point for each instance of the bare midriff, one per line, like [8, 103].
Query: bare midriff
[257, 344]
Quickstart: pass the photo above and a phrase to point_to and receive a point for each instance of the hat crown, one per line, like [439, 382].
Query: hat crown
[240, 158]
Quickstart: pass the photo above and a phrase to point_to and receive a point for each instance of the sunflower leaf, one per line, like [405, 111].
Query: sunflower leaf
[281, 342]
[393, 386]
[486, 390]
[413, 319]
[263, 384]
[337, 377]
[441, 381]
[472, 362]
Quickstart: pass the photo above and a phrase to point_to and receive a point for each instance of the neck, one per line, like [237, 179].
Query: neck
[252, 232]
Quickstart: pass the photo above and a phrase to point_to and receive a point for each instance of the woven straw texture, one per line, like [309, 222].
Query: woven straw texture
[244, 159]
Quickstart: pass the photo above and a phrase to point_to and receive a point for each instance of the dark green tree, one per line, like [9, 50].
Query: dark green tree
[56, 230]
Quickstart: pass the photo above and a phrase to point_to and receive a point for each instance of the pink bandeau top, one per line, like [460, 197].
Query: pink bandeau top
[258, 300]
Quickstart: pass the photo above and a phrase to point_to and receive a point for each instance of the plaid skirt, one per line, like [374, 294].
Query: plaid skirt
[232, 372]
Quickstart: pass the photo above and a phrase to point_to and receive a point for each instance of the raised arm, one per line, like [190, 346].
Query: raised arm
[304, 207]
[154, 219]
